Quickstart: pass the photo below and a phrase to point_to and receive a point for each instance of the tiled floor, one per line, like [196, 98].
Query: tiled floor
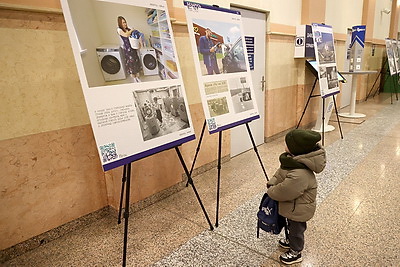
[356, 223]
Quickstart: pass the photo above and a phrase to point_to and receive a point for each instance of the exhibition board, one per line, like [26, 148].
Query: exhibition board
[131, 77]
[326, 57]
[221, 63]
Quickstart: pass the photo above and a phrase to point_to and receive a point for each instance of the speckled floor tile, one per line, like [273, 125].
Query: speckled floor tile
[360, 145]
[202, 249]
[153, 233]
[356, 222]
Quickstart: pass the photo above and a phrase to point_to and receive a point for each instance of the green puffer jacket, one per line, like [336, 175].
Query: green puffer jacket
[294, 184]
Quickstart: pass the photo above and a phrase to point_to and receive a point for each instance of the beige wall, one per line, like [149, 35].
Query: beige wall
[343, 14]
[51, 173]
[382, 20]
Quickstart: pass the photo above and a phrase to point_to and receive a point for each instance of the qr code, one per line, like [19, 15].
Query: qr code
[108, 152]
[212, 125]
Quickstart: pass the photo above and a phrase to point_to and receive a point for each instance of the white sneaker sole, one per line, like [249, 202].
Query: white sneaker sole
[292, 262]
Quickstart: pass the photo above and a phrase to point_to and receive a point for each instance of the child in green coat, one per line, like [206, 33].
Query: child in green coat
[294, 186]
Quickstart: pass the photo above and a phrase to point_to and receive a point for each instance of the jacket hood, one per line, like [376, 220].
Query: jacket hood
[315, 160]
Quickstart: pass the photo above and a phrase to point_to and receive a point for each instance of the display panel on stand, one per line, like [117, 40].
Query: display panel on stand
[326, 59]
[390, 57]
[357, 47]
[130, 75]
[396, 55]
[222, 68]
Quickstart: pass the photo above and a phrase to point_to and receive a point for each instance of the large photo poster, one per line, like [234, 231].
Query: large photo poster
[221, 62]
[390, 56]
[326, 59]
[130, 76]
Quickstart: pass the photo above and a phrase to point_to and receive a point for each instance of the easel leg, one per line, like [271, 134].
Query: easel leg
[380, 73]
[197, 150]
[122, 193]
[126, 213]
[323, 121]
[308, 101]
[190, 180]
[394, 86]
[391, 93]
[377, 90]
[337, 117]
[219, 175]
[366, 98]
[256, 150]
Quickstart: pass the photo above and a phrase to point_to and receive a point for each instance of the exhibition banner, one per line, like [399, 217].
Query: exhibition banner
[357, 47]
[130, 75]
[326, 59]
[390, 57]
[222, 68]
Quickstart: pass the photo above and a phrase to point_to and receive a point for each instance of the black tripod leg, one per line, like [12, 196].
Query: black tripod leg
[337, 117]
[122, 194]
[256, 150]
[192, 184]
[391, 91]
[323, 121]
[126, 214]
[377, 90]
[308, 101]
[219, 175]
[379, 74]
[197, 150]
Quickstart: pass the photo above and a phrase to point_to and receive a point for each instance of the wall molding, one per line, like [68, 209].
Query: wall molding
[35, 9]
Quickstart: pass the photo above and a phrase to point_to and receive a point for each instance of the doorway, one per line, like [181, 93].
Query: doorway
[254, 29]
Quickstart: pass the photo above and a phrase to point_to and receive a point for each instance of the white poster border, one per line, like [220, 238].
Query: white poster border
[121, 137]
[196, 14]
[328, 82]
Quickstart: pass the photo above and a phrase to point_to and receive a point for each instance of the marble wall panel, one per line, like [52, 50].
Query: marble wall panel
[48, 179]
[40, 85]
[284, 107]
[281, 66]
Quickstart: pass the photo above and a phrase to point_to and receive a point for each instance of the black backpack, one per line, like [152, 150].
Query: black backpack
[268, 218]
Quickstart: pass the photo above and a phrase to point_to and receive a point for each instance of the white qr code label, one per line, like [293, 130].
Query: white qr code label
[108, 152]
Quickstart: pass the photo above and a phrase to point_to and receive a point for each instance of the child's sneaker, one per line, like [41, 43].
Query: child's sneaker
[291, 257]
[284, 243]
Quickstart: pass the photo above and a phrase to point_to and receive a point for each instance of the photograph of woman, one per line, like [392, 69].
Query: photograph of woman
[132, 61]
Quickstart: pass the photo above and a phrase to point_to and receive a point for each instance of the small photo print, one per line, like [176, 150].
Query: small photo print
[322, 72]
[161, 111]
[242, 99]
[216, 87]
[332, 77]
[218, 106]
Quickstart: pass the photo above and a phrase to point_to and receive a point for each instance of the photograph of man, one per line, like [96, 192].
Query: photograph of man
[208, 49]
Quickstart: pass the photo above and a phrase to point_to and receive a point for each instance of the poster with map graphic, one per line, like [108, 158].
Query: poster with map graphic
[130, 76]
[222, 67]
